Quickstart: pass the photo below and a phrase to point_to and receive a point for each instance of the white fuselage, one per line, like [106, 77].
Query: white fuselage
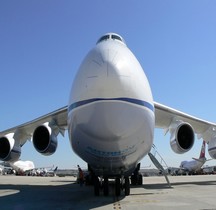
[111, 112]
[22, 166]
[193, 165]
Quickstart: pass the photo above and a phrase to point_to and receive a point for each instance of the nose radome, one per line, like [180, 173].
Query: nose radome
[110, 63]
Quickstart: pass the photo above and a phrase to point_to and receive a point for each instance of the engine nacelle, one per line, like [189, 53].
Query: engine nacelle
[182, 137]
[9, 151]
[212, 148]
[44, 140]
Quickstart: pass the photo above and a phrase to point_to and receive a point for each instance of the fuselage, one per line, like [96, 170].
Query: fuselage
[193, 165]
[111, 112]
[22, 166]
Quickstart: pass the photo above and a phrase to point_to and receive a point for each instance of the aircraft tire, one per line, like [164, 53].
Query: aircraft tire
[117, 186]
[106, 187]
[133, 180]
[140, 179]
[96, 186]
[127, 186]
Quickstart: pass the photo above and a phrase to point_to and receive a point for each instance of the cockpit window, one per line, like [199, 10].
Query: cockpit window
[105, 37]
[111, 36]
[116, 37]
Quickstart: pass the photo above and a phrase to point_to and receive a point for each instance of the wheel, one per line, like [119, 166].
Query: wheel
[106, 186]
[133, 180]
[96, 186]
[127, 186]
[117, 186]
[140, 179]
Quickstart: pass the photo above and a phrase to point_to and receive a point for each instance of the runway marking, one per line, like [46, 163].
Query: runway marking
[146, 201]
[6, 192]
[208, 209]
[116, 204]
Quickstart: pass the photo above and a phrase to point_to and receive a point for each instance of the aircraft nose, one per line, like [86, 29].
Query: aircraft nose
[108, 72]
[108, 63]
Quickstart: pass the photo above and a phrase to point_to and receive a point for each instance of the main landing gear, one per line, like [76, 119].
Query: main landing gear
[136, 177]
[120, 184]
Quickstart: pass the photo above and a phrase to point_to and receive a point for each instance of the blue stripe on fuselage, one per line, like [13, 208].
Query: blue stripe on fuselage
[129, 100]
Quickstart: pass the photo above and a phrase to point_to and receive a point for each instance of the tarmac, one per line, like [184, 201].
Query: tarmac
[59, 193]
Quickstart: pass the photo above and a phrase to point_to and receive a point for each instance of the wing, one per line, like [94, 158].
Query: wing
[165, 116]
[22, 133]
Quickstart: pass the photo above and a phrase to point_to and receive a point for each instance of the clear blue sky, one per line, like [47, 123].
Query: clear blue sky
[42, 44]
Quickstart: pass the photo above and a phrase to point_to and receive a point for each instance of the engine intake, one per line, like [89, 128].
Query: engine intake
[9, 151]
[44, 140]
[182, 138]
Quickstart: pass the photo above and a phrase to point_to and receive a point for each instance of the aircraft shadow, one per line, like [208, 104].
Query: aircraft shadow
[65, 196]
[173, 184]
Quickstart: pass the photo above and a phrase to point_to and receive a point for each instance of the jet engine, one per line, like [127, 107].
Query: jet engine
[44, 139]
[182, 137]
[9, 151]
[212, 148]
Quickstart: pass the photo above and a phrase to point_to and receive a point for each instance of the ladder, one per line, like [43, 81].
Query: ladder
[159, 165]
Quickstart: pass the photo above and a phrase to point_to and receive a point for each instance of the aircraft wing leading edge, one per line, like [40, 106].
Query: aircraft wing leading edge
[24, 131]
[165, 115]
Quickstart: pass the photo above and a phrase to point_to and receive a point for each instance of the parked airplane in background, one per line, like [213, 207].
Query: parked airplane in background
[111, 117]
[28, 168]
[17, 167]
[1, 170]
[43, 171]
[52, 172]
[22, 167]
[194, 166]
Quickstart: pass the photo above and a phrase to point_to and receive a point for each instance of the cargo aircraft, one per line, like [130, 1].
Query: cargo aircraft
[110, 118]
[27, 168]
[18, 167]
[22, 167]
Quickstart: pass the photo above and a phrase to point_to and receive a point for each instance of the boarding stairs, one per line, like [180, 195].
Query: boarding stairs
[159, 163]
